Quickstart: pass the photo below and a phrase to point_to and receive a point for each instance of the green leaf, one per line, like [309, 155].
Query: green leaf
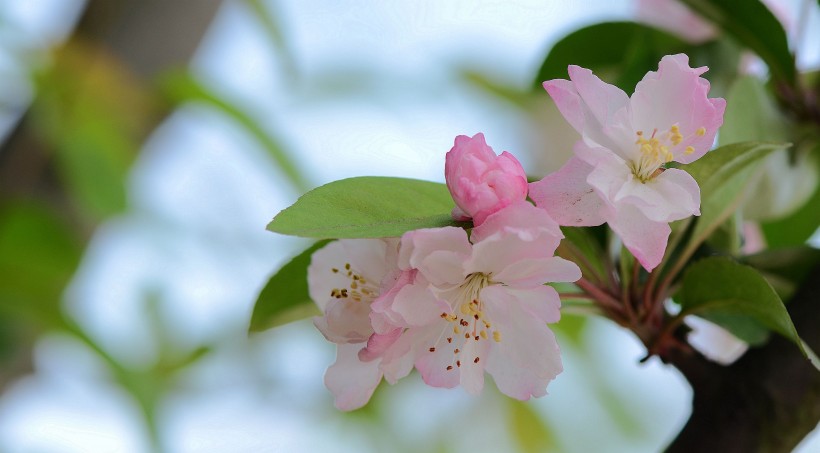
[718, 287]
[528, 429]
[742, 326]
[621, 52]
[722, 174]
[285, 297]
[182, 87]
[751, 114]
[797, 227]
[586, 249]
[367, 207]
[752, 24]
[39, 252]
[95, 115]
[785, 268]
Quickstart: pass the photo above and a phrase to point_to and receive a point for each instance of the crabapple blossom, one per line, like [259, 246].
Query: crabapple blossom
[619, 172]
[344, 277]
[480, 182]
[470, 305]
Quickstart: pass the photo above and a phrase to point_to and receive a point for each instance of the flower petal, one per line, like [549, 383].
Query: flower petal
[670, 196]
[350, 380]
[676, 95]
[521, 219]
[567, 196]
[345, 321]
[542, 301]
[433, 365]
[437, 253]
[473, 359]
[588, 104]
[609, 173]
[645, 238]
[366, 257]
[527, 357]
[418, 306]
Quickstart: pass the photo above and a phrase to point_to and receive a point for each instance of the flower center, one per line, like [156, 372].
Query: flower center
[655, 151]
[467, 322]
[357, 289]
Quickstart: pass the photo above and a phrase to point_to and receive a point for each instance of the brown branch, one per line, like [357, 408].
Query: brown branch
[767, 401]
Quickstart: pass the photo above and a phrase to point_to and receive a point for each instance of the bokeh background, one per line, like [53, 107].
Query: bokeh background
[147, 143]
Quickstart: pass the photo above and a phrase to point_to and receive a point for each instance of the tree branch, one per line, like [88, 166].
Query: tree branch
[767, 401]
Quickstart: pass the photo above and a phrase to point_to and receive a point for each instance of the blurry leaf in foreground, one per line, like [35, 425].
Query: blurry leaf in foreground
[752, 24]
[38, 256]
[286, 297]
[183, 87]
[787, 179]
[95, 114]
[785, 268]
[528, 429]
[618, 52]
[797, 227]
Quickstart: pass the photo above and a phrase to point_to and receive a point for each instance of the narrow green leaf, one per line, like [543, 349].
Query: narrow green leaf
[752, 24]
[719, 286]
[272, 25]
[620, 52]
[285, 297]
[182, 87]
[722, 174]
[367, 207]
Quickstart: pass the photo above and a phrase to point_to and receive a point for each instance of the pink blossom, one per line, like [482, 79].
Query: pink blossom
[469, 307]
[619, 173]
[676, 18]
[480, 182]
[344, 278]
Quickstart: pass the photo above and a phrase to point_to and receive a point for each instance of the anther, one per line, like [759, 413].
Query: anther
[458, 363]
[449, 367]
[475, 360]
[432, 349]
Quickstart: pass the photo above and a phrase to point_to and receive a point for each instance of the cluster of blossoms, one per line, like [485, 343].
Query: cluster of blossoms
[454, 304]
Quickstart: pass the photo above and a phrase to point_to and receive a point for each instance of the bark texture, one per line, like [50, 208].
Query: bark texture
[767, 401]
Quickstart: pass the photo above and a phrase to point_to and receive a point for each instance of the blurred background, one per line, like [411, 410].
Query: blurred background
[147, 143]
